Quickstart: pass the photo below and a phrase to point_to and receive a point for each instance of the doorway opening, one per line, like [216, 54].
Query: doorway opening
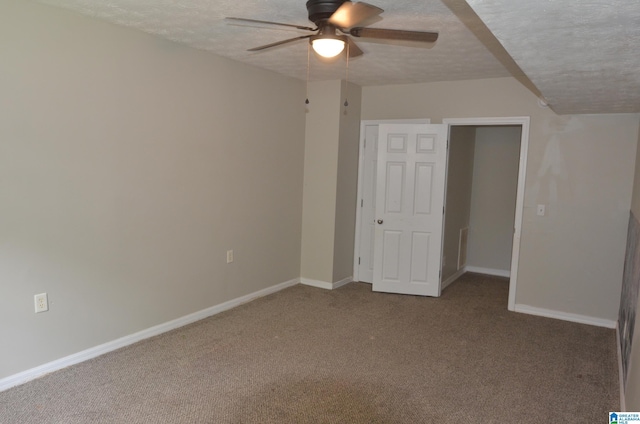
[486, 216]
[503, 192]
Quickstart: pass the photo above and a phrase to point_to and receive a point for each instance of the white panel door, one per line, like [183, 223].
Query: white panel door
[367, 195]
[410, 187]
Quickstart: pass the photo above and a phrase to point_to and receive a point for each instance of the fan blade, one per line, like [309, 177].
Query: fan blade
[394, 34]
[272, 23]
[350, 14]
[277, 43]
[354, 50]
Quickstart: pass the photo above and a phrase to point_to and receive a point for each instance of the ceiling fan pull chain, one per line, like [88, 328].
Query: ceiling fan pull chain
[306, 102]
[346, 91]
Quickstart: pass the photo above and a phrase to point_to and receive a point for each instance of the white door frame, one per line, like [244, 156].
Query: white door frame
[524, 121]
[363, 124]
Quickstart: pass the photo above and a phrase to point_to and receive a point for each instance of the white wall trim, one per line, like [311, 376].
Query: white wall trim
[316, 283]
[489, 271]
[324, 284]
[565, 316]
[343, 282]
[623, 402]
[451, 279]
[39, 371]
[524, 121]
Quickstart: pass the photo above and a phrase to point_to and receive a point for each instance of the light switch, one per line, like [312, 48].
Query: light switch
[540, 210]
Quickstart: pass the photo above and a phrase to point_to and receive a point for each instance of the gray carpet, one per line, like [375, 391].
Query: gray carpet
[306, 355]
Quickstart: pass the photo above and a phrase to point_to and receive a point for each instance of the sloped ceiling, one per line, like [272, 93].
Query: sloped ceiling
[583, 55]
[577, 54]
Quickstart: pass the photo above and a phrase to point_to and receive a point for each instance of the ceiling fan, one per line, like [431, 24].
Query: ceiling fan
[335, 21]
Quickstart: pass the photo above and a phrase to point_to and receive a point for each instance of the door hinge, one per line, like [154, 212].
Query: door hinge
[361, 202]
[358, 261]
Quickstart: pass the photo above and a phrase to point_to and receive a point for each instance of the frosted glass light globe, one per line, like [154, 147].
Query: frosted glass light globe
[328, 47]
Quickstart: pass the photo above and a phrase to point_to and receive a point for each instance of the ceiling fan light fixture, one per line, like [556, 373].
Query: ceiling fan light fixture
[337, 21]
[328, 46]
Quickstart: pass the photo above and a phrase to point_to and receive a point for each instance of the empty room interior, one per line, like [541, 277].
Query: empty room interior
[416, 230]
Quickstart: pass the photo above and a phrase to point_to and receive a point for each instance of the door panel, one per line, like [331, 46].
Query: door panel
[419, 251]
[409, 208]
[391, 255]
[395, 186]
[423, 189]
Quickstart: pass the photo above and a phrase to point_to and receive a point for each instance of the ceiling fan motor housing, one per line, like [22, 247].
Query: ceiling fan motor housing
[321, 10]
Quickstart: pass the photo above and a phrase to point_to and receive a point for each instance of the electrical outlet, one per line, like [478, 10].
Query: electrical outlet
[229, 256]
[41, 302]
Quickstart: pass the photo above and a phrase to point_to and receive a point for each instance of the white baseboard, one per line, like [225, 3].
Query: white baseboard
[39, 371]
[489, 271]
[324, 284]
[343, 282]
[565, 316]
[316, 283]
[623, 402]
[453, 278]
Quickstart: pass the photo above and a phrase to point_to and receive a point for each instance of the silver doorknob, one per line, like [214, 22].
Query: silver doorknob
[380, 221]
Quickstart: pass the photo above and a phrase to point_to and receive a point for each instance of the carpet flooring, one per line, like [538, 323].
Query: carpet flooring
[306, 355]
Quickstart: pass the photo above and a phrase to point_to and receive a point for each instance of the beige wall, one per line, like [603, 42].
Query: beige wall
[330, 181]
[493, 198]
[128, 166]
[320, 180]
[347, 184]
[458, 200]
[632, 395]
[580, 166]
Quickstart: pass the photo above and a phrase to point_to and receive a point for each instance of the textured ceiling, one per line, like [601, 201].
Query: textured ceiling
[583, 55]
[466, 48]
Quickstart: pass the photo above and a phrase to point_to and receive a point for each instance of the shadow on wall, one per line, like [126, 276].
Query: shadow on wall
[552, 172]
